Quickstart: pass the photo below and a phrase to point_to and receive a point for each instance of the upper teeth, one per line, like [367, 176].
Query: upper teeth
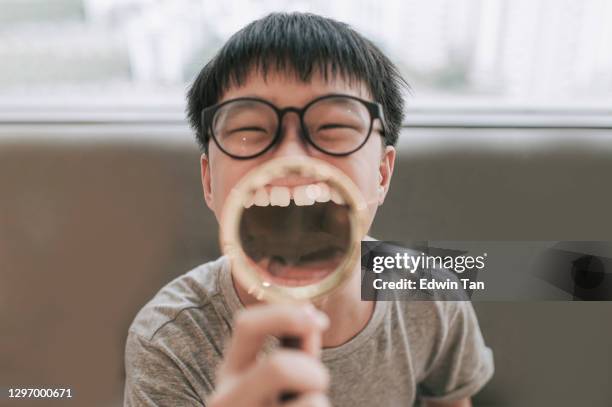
[279, 196]
[324, 194]
[302, 195]
[261, 198]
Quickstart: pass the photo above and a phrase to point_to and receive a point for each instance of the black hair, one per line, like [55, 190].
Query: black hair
[298, 44]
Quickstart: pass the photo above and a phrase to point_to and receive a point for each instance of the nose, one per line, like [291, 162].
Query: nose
[292, 143]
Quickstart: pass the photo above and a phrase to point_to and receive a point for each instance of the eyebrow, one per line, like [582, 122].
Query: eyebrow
[274, 100]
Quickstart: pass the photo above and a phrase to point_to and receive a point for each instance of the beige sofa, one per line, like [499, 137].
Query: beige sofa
[92, 226]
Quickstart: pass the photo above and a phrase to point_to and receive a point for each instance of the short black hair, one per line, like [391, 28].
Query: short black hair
[299, 44]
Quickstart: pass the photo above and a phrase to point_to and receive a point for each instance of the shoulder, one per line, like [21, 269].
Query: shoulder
[185, 300]
[430, 325]
[436, 317]
[174, 345]
[458, 362]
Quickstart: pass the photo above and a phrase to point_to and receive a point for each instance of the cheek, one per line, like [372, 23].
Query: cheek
[364, 170]
[226, 173]
[223, 181]
[219, 190]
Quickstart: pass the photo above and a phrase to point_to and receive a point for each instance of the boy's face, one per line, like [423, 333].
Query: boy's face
[370, 167]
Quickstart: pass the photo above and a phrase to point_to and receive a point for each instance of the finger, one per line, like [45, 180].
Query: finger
[312, 344]
[253, 325]
[283, 370]
[309, 400]
[291, 371]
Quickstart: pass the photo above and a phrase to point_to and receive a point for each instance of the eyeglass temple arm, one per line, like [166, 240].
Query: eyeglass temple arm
[380, 115]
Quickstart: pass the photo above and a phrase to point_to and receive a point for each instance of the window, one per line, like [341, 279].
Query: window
[462, 54]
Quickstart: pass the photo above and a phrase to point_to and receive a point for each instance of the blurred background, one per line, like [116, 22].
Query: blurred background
[508, 136]
[521, 53]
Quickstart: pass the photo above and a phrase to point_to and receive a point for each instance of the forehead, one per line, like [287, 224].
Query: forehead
[286, 89]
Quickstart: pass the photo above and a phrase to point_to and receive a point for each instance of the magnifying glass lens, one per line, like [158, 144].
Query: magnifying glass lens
[292, 229]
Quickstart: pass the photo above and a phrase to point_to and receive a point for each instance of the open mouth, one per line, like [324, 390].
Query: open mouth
[295, 232]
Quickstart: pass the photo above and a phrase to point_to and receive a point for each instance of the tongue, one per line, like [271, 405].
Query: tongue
[281, 273]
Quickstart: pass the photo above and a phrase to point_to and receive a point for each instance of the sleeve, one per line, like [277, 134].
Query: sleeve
[463, 364]
[153, 378]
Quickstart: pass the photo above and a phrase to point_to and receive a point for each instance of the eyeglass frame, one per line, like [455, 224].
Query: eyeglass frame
[375, 110]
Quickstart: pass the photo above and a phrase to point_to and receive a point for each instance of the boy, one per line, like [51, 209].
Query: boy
[203, 339]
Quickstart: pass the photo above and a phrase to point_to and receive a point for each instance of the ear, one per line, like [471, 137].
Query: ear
[385, 171]
[206, 182]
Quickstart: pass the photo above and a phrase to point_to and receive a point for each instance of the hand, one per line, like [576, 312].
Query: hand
[246, 379]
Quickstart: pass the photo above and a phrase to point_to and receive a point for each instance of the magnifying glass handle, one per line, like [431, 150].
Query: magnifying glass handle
[292, 342]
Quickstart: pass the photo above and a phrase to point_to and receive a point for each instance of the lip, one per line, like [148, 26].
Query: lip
[291, 276]
[292, 181]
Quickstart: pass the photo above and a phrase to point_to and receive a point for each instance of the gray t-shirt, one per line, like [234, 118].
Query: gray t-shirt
[408, 351]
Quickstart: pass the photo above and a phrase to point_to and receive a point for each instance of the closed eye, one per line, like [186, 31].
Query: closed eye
[335, 126]
[247, 129]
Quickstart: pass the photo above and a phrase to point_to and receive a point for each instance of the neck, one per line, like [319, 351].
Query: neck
[347, 313]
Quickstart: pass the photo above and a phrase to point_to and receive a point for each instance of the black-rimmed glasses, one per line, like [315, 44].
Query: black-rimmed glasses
[334, 124]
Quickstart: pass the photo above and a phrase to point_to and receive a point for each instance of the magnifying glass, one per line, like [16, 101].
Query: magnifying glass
[292, 229]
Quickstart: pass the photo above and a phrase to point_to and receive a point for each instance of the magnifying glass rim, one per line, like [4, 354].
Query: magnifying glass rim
[232, 213]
